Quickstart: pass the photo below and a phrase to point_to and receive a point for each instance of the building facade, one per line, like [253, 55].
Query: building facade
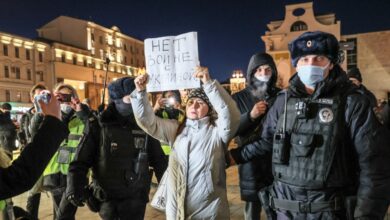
[67, 50]
[23, 63]
[79, 50]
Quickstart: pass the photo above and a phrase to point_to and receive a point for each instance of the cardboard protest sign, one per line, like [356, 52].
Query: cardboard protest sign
[171, 62]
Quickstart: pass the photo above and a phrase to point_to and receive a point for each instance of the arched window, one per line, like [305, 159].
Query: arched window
[299, 26]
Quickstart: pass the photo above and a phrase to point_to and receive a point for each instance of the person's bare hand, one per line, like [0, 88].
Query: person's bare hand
[202, 73]
[258, 109]
[140, 82]
[52, 108]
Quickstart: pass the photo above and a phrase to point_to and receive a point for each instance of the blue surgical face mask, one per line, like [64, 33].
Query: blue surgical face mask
[311, 75]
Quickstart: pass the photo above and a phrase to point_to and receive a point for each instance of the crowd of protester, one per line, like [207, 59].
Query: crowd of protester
[318, 149]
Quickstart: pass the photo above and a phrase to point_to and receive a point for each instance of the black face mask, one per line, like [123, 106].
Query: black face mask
[259, 88]
[123, 109]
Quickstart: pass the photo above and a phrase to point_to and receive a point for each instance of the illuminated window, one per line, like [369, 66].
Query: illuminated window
[298, 26]
[6, 71]
[17, 52]
[5, 50]
[19, 96]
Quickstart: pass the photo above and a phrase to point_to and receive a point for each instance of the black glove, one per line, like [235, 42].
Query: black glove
[75, 200]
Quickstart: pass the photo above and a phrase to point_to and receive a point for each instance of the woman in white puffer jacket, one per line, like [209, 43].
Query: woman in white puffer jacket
[196, 184]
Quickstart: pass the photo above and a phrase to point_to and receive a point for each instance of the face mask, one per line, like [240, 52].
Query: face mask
[264, 78]
[66, 108]
[311, 75]
[123, 109]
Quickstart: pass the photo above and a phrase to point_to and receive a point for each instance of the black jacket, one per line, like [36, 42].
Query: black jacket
[365, 137]
[371, 97]
[24, 135]
[255, 174]
[28, 167]
[88, 156]
[8, 133]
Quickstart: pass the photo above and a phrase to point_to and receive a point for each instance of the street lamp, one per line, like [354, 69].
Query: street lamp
[237, 81]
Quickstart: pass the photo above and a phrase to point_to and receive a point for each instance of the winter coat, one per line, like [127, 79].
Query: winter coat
[8, 133]
[371, 97]
[28, 167]
[364, 153]
[89, 155]
[196, 185]
[255, 174]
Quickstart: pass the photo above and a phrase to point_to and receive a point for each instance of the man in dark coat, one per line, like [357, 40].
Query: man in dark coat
[330, 155]
[253, 102]
[117, 151]
[356, 78]
[28, 167]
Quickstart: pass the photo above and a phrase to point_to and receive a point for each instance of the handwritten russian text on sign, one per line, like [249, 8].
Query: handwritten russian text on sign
[171, 62]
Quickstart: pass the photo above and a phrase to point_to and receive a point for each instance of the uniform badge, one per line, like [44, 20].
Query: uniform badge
[308, 43]
[326, 115]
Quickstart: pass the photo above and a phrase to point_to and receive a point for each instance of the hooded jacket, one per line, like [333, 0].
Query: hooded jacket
[364, 152]
[255, 174]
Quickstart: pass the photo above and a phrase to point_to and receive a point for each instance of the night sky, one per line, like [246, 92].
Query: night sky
[228, 31]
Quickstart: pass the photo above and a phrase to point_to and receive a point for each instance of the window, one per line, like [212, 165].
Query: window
[17, 72]
[101, 54]
[101, 39]
[17, 52]
[298, 26]
[85, 62]
[352, 54]
[125, 60]
[5, 50]
[124, 47]
[28, 74]
[28, 54]
[6, 71]
[74, 60]
[63, 58]
[40, 57]
[7, 96]
[92, 36]
[19, 96]
[40, 75]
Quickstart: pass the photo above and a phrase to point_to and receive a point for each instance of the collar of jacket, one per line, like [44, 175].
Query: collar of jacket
[197, 124]
[111, 116]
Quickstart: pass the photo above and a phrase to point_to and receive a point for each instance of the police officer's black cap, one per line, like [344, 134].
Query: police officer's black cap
[314, 43]
[121, 87]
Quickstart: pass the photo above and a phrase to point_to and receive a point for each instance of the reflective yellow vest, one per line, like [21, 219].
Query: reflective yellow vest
[165, 147]
[2, 205]
[59, 163]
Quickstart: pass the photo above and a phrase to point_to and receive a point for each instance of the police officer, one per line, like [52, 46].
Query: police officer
[330, 155]
[115, 148]
[355, 77]
[253, 102]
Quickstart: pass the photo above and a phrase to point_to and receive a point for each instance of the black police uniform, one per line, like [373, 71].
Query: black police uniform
[120, 184]
[329, 152]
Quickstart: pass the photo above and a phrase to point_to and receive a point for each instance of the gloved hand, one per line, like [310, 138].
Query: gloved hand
[77, 201]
